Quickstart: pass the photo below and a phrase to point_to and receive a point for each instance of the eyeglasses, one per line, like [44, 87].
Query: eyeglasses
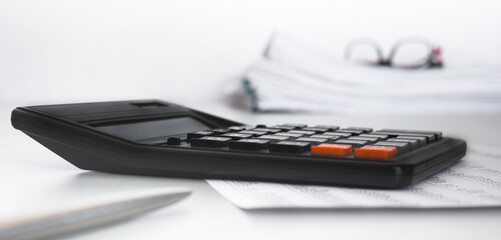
[408, 53]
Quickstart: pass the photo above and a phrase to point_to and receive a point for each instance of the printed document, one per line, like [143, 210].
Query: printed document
[296, 77]
[472, 183]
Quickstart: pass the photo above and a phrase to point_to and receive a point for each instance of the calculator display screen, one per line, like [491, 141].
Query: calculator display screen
[153, 128]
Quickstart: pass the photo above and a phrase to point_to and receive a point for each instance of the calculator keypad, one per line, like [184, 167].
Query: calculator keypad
[250, 144]
[236, 136]
[253, 133]
[319, 140]
[199, 134]
[402, 147]
[290, 147]
[311, 140]
[208, 141]
[354, 143]
[316, 129]
[339, 134]
[274, 137]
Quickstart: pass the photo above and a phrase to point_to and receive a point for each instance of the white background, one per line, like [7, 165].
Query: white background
[185, 51]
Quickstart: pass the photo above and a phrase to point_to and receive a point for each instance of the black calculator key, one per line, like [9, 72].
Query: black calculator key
[342, 135]
[316, 129]
[371, 135]
[413, 142]
[363, 129]
[274, 137]
[296, 125]
[330, 127]
[174, 141]
[307, 133]
[290, 147]
[237, 128]
[253, 133]
[430, 137]
[268, 130]
[368, 139]
[354, 132]
[354, 143]
[422, 140]
[210, 141]
[236, 136]
[330, 138]
[199, 134]
[438, 135]
[283, 127]
[313, 141]
[402, 147]
[220, 130]
[250, 144]
[293, 135]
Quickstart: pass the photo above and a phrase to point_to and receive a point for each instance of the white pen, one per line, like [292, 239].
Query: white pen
[65, 222]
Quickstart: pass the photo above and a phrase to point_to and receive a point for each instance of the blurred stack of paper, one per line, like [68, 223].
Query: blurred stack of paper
[293, 76]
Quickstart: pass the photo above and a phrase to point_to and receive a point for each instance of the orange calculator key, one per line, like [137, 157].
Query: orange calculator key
[334, 150]
[375, 152]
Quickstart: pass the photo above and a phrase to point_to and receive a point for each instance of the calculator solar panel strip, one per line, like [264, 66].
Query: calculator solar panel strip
[131, 137]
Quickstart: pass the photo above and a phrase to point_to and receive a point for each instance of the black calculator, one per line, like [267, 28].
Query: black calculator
[151, 137]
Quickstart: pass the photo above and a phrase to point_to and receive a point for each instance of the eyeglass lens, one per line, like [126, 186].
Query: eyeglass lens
[406, 53]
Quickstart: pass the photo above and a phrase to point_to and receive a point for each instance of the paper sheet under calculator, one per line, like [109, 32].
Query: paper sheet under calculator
[474, 182]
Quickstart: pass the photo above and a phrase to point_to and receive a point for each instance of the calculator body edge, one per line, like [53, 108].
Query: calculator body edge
[71, 133]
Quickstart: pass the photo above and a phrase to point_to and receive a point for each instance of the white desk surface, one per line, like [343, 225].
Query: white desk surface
[35, 180]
